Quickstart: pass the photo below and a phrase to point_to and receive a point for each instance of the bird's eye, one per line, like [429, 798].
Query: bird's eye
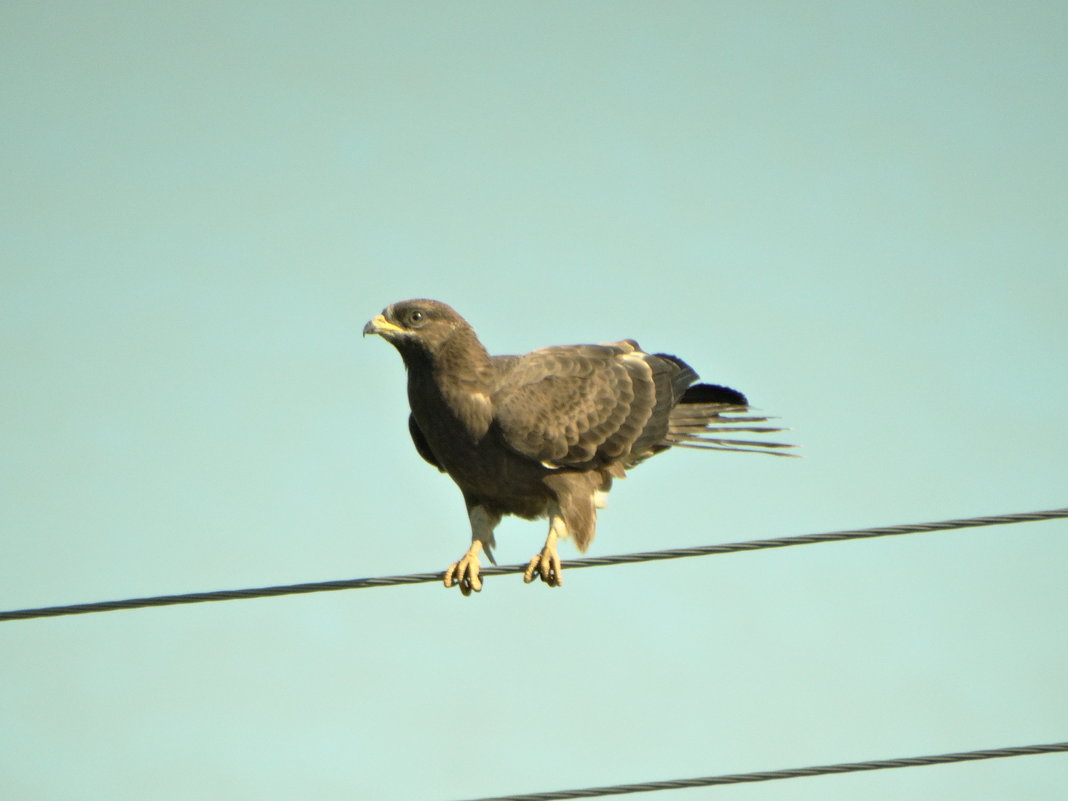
[415, 317]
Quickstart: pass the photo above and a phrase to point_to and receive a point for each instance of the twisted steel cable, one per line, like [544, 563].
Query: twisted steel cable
[596, 561]
[789, 773]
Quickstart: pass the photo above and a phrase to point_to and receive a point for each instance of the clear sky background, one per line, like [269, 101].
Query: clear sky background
[856, 213]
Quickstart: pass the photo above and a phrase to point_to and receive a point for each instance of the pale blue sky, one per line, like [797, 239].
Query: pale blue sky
[856, 213]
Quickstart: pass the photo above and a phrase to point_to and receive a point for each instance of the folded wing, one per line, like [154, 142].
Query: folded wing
[588, 405]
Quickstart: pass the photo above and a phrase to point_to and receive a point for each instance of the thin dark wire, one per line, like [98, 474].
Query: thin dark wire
[596, 561]
[791, 773]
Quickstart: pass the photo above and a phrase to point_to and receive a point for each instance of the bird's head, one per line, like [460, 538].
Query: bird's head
[417, 326]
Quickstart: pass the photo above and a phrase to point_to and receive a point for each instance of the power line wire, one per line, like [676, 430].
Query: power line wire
[596, 561]
[789, 773]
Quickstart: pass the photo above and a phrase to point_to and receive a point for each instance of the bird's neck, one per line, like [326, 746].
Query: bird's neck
[461, 375]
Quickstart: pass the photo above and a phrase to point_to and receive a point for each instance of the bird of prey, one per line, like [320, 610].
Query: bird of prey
[544, 434]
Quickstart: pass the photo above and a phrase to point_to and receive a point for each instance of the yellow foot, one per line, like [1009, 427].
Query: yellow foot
[465, 572]
[546, 565]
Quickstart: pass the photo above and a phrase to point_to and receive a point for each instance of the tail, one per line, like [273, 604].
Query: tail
[707, 411]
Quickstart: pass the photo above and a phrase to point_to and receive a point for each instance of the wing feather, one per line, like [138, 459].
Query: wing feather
[707, 411]
[576, 404]
[421, 445]
[615, 405]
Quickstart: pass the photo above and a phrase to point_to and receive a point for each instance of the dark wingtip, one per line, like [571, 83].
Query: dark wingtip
[713, 393]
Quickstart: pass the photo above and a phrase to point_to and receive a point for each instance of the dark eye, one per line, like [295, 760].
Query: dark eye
[415, 317]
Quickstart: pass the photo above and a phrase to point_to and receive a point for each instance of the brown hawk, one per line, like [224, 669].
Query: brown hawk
[544, 434]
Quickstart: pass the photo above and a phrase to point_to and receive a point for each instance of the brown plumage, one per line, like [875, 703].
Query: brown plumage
[544, 434]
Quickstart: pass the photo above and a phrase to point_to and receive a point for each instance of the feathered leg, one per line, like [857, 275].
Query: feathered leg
[546, 565]
[573, 513]
[465, 572]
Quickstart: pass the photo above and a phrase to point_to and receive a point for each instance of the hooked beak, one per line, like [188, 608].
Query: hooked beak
[380, 325]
